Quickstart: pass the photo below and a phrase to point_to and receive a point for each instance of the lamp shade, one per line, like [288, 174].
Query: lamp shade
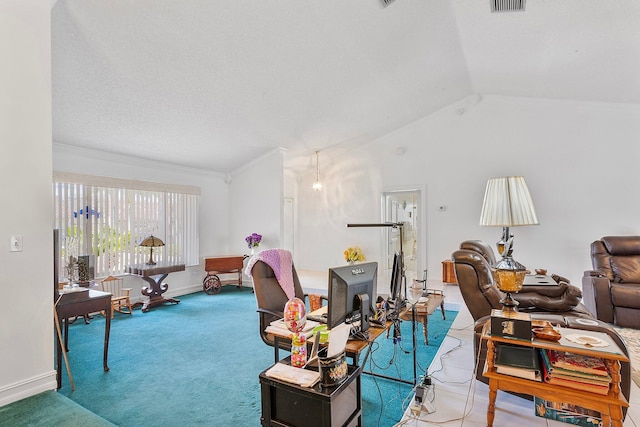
[507, 203]
[151, 242]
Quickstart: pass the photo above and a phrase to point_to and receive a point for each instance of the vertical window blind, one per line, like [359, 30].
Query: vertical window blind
[109, 217]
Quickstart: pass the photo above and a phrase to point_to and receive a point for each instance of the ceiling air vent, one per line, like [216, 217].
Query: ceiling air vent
[386, 3]
[507, 5]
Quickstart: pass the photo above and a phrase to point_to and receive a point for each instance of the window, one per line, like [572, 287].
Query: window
[109, 217]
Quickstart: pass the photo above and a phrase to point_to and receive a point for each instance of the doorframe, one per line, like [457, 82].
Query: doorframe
[421, 222]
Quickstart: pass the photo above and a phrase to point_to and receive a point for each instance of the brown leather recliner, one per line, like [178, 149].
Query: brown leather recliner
[612, 288]
[560, 305]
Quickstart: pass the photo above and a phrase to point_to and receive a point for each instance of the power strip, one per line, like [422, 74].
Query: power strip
[420, 401]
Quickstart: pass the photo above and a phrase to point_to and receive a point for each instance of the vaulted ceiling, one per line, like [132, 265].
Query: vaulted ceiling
[213, 84]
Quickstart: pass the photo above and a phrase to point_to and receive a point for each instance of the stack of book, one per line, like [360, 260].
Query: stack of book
[518, 361]
[575, 371]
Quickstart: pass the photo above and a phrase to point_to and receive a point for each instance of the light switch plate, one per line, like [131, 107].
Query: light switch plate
[15, 244]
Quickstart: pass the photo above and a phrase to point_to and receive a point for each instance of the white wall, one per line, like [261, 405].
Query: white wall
[255, 203]
[580, 161]
[213, 203]
[26, 282]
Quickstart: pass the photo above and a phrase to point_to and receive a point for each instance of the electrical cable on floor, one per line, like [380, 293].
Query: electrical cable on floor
[470, 399]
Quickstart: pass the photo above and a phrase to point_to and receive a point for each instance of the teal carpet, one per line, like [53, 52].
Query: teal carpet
[49, 409]
[197, 363]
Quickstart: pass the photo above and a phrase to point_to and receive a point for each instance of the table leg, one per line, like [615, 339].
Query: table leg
[425, 328]
[615, 412]
[154, 292]
[107, 331]
[491, 409]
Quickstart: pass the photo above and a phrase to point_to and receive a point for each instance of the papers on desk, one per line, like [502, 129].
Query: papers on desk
[290, 374]
[278, 327]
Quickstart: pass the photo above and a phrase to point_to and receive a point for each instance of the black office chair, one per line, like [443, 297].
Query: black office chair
[271, 300]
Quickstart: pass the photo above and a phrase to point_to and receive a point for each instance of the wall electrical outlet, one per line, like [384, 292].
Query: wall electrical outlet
[15, 244]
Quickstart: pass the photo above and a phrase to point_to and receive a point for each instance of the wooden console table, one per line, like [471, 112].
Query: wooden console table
[610, 405]
[78, 304]
[154, 276]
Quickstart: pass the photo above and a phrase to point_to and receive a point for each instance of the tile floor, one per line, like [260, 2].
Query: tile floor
[459, 401]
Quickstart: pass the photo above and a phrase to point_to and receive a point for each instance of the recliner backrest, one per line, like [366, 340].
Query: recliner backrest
[482, 248]
[473, 274]
[618, 257]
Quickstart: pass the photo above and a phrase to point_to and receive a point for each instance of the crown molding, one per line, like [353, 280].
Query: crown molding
[130, 160]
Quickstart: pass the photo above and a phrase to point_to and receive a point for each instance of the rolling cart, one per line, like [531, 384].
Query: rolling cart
[215, 266]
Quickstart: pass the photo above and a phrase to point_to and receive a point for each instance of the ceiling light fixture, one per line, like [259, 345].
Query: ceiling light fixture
[317, 186]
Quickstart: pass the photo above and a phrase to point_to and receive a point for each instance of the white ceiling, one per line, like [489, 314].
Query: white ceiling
[214, 84]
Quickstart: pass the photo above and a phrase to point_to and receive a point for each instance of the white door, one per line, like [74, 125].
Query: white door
[403, 207]
[288, 226]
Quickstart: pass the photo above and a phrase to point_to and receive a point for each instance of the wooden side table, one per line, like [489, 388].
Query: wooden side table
[610, 405]
[448, 272]
[425, 309]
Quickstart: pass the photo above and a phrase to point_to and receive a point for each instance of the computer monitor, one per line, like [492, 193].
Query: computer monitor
[352, 293]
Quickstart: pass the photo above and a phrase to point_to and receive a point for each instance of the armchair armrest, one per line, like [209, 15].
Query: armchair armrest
[273, 313]
[597, 295]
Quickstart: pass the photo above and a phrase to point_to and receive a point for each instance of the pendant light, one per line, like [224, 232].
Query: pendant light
[317, 186]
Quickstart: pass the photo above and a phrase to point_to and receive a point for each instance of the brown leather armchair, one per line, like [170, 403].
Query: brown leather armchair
[558, 304]
[612, 288]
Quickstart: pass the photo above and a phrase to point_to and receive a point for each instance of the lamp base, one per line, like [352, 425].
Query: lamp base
[509, 304]
[151, 261]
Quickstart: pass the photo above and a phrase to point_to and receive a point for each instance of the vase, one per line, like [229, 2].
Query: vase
[253, 250]
[352, 262]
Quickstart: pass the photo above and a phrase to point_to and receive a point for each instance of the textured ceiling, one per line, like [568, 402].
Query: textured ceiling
[214, 84]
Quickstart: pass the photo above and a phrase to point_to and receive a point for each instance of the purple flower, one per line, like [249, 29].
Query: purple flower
[253, 240]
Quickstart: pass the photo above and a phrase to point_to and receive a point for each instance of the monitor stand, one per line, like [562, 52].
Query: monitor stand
[364, 311]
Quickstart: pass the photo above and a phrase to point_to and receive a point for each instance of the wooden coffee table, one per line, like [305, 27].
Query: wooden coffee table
[424, 309]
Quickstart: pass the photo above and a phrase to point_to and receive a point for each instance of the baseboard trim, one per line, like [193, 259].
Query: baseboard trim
[27, 388]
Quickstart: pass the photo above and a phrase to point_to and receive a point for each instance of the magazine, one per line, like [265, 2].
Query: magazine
[577, 362]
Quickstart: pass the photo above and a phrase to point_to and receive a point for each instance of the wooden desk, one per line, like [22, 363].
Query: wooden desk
[610, 406]
[154, 276]
[285, 404]
[77, 304]
[354, 347]
[424, 310]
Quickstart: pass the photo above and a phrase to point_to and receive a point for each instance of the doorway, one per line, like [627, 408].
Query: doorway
[403, 207]
[288, 228]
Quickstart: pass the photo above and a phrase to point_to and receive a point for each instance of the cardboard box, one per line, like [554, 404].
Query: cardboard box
[567, 413]
[511, 324]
